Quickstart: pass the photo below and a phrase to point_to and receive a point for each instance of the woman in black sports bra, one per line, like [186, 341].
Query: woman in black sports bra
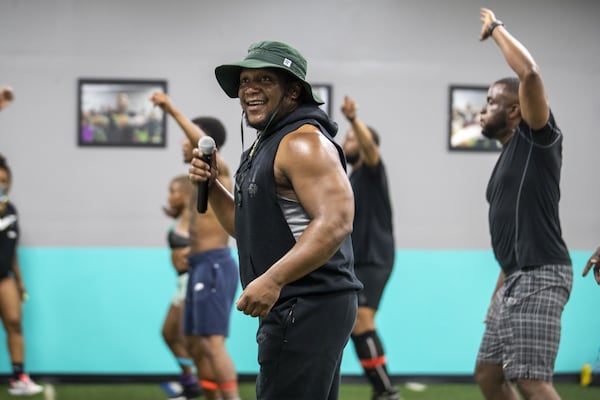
[180, 190]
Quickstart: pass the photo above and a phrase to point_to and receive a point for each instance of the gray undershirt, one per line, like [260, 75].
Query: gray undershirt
[297, 219]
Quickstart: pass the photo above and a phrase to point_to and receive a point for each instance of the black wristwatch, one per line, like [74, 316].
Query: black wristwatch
[493, 26]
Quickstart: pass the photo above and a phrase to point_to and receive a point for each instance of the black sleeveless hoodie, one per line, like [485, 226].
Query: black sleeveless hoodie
[262, 233]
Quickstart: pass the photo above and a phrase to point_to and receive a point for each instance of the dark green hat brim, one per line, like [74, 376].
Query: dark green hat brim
[228, 76]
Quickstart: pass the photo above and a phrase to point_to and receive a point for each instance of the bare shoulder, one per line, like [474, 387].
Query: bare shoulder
[307, 142]
[307, 165]
[304, 157]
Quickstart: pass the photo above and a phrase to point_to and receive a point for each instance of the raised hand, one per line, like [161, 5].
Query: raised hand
[487, 17]
[349, 108]
[594, 261]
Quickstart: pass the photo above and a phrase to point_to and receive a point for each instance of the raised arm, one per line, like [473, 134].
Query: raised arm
[194, 133]
[368, 148]
[532, 96]
[307, 167]
[191, 130]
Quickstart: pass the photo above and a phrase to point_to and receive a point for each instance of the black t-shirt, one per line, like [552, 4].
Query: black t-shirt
[9, 237]
[524, 194]
[373, 234]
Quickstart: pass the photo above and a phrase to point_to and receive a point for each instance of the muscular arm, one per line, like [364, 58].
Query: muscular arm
[532, 96]
[307, 169]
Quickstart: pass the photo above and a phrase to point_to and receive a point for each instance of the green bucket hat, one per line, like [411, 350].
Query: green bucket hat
[266, 54]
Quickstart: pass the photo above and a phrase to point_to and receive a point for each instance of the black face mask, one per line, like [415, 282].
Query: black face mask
[3, 194]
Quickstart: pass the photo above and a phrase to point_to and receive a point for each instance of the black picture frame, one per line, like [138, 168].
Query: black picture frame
[464, 130]
[325, 92]
[119, 113]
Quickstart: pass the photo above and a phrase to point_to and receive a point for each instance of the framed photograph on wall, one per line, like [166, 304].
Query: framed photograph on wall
[464, 130]
[325, 92]
[118, 112]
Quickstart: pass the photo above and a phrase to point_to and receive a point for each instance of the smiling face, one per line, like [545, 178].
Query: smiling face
[262, 91]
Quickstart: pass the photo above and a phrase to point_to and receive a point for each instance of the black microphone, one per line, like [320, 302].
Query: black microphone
[206, 145]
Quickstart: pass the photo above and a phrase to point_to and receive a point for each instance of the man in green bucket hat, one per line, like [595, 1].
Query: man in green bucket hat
[291, 213]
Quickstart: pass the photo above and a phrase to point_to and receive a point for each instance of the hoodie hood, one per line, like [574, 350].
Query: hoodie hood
[307, 114]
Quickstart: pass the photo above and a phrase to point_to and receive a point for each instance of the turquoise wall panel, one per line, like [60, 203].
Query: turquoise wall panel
[100, 311]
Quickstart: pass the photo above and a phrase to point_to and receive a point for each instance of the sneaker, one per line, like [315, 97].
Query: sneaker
[192, 391]
[390, 395]
[176, 391]
[23, 386]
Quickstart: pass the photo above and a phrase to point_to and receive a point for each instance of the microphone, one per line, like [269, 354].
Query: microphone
[206, 145]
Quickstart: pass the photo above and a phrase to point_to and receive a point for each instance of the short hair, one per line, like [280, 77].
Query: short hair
[184, 183]
[511, 83]
[213, 128]
[374, 134]
[288, 80]
[4, 166]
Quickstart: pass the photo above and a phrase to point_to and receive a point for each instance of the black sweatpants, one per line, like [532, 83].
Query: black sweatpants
[300, 346]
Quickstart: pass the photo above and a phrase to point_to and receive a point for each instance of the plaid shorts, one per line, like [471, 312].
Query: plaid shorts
[524, 322]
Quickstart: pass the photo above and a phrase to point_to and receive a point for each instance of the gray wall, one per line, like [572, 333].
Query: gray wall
[397, 58]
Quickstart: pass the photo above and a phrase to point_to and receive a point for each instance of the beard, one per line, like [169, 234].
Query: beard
[352, 158]
[259, 126]
[493, 129]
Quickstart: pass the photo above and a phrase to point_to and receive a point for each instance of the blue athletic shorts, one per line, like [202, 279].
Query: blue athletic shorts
[212, 284]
